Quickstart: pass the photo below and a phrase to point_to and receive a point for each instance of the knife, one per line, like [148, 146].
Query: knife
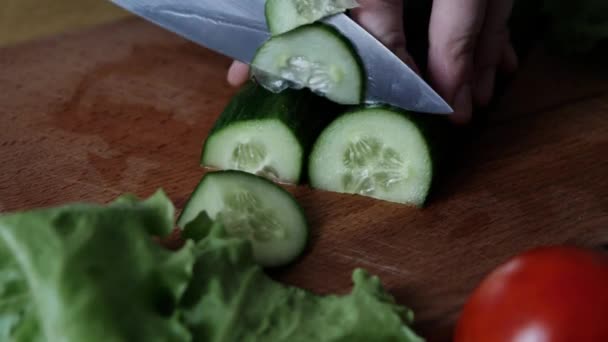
[237, 28]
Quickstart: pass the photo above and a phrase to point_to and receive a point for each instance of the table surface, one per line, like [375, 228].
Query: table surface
[22, 20]
[126, 107]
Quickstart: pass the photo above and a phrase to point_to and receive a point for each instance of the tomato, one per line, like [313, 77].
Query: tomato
[551, 294]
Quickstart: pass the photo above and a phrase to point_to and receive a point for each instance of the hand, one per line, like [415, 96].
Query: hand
[468, 42]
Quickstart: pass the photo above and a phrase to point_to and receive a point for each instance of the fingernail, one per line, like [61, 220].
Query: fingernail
[510, 60]
[238, 74]
[484, 87]
[463, 105]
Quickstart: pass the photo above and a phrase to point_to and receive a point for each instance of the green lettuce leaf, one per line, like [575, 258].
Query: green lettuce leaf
[230, 298]
[92, 273]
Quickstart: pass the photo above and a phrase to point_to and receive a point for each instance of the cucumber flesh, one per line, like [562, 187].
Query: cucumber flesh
[253, 208]
[285, 15]
[374, 152]
[315, 56]
[263, 147]
[266, 134]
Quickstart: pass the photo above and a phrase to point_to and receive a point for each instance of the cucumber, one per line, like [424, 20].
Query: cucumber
[285, 15]
[378, 152]
[266, 134]
[314, 56]
[253, 208]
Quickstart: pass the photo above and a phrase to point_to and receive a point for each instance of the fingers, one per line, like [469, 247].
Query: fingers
[383, 19]
[509, 61]
[453, 34]
[493, 44]
[238, 74]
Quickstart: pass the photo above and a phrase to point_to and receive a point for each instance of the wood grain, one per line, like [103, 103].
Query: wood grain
[21, 20]
[126, 107]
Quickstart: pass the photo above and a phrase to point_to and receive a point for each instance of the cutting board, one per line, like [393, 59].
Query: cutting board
[126, 107]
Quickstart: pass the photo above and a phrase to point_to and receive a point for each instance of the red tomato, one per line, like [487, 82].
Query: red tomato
[551, 294]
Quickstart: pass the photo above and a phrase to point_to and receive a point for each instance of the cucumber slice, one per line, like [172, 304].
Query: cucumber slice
[285, 15]
[253, 208]
[266, 134]
[375, 152]
[315, 56]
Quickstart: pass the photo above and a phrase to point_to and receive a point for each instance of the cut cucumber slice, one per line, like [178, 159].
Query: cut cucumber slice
[285, 15]
[253, 208]
[375, 152]
[315, 56]
[266, 134]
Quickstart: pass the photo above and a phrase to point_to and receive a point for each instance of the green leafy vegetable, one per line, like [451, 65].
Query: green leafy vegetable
[89, 273]
[230, 298]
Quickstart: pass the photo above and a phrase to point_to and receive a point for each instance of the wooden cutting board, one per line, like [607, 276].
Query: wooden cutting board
[126, 107]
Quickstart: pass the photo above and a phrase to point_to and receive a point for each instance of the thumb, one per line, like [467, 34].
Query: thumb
[383, 19]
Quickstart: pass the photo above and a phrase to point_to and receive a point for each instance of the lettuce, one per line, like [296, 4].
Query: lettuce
[89, 273]
[230, 298]
[92, 273]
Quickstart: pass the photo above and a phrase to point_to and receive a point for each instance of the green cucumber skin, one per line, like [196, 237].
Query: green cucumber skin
[235, 173]
[434, 129]
[254, 102]
[269, 12]
[346, 43]
[304, 113]
[438, 134]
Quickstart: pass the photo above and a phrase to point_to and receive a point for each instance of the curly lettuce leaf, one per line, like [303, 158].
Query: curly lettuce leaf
[230, 298]
[91, 273]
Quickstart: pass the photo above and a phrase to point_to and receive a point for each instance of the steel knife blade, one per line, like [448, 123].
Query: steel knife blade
[237, 28]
